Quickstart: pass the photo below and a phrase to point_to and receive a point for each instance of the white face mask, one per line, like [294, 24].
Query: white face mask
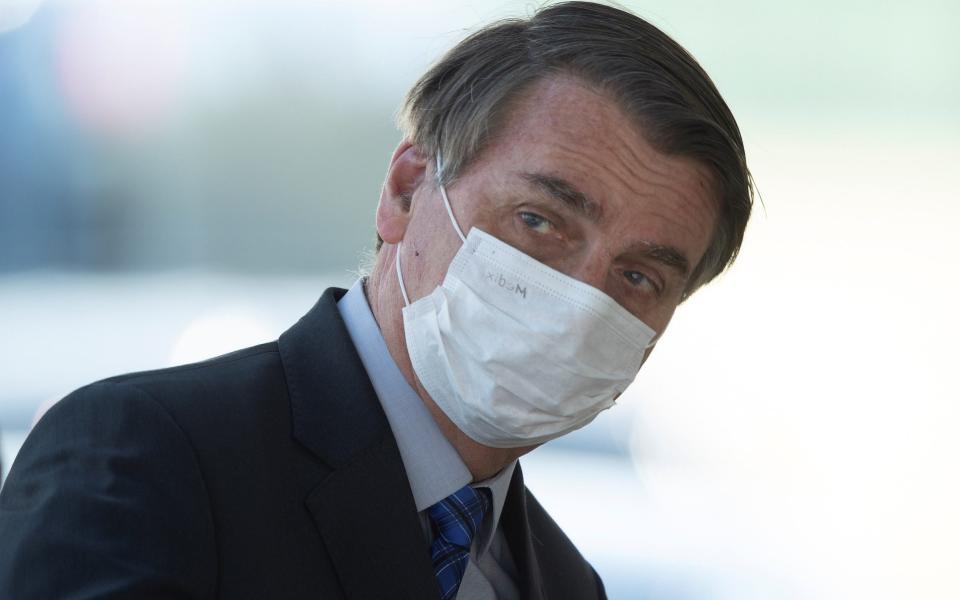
[516, 353]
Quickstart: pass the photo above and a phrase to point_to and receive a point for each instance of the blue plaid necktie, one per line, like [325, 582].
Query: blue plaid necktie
[456, 519]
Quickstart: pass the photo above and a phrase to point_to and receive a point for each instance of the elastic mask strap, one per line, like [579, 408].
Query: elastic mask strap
[453, 219]
[446, 201]
[403, 288]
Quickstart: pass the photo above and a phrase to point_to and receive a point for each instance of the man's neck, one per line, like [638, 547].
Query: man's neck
[386, 304]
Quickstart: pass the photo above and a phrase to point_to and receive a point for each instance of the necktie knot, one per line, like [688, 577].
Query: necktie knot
[456, 520]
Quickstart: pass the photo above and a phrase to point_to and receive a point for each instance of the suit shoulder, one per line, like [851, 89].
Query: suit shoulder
[261, 355]
[215, 402]
[225, 380]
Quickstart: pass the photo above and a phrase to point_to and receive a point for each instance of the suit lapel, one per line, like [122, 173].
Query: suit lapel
[369, 524]
[363, 508]
[516, 528]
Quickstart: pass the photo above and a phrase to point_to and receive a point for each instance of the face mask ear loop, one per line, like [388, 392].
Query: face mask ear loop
[446, 201]
[403, 288]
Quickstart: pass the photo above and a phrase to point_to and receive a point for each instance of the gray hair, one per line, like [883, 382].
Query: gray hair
[461, 102]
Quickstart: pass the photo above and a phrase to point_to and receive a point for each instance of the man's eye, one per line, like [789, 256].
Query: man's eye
[535, 222]
[636, 278]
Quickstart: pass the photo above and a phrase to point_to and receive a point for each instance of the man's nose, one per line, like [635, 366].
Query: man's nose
[591, 267]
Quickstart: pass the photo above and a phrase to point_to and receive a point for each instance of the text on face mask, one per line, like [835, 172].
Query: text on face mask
[511, 286]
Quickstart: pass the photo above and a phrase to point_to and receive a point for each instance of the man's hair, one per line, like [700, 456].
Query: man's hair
[463, 100]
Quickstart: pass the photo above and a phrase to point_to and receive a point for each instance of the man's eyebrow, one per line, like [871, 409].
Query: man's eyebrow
[668, 256]
[566, 192]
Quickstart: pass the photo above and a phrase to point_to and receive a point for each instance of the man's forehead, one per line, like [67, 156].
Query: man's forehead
[566, 121]
[565, 139]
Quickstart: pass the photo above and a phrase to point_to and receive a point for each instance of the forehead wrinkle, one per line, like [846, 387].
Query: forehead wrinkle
[640, 179]
[648, 169]
[644, 182]
[677, 184]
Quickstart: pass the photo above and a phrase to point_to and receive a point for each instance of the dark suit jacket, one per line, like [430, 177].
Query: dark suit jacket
[266, 473]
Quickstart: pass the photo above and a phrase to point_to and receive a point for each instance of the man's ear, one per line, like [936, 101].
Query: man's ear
[407, 170]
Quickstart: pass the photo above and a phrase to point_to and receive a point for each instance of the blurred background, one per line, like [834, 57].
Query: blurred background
[179, 179]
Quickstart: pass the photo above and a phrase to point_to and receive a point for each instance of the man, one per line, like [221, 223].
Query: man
[564, 183]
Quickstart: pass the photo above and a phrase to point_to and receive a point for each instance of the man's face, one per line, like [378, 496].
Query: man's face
[571, 182]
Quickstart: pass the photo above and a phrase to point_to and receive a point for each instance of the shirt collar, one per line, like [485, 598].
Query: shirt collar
[498, 486]
[434, 468]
